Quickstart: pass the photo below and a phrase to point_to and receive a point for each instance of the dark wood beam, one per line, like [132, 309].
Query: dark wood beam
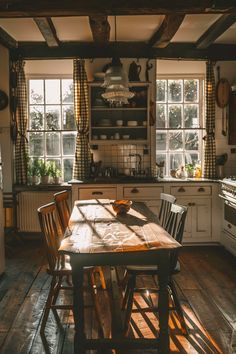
[68, 50]
[170, 25]
[215, 31]
[100, 28]
[6, 40]
[48, 31]
[52, 8]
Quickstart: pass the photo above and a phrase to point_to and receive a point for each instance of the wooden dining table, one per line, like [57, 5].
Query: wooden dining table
[96, 236]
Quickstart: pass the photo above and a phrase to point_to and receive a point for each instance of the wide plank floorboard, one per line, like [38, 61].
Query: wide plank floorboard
[206, 286]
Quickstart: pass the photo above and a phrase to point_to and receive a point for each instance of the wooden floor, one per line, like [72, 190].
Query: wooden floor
[207, 289]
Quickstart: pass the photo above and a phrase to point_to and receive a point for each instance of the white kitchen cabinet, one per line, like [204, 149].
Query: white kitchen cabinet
[203, 223]
[198, 221]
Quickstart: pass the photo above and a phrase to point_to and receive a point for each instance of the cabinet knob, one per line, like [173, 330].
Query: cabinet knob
[97, 193]
[134, 190]
[201, 189]
[181, 189]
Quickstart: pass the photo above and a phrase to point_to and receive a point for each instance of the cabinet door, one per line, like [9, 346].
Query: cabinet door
[201, 219]
[198, 221]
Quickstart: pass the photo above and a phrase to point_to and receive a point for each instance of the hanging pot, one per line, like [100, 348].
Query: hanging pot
[222, 98]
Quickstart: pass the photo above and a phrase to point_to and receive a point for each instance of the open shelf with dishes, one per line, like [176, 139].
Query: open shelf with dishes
[126, 124]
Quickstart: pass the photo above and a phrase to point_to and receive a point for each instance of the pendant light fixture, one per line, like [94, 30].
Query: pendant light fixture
[116, 83]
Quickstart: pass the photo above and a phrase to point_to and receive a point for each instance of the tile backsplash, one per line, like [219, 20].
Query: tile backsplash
[125, 159]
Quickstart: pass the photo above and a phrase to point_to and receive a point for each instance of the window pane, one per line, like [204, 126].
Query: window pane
[68, 118]
[52, 144]
[67, 91]
[160, 158]
[175, 116]
[191, 90]
[52, 91]
[160, 141]
[175, 90]
[36, 117]
[36, 93]
[161, 91]
[176, 160]
[191, 141]
[68, 144]
[68, 168]
[160, 115]
[191, 158]
[36, 144]
[52, 117]
[176, 140]
[191, 116]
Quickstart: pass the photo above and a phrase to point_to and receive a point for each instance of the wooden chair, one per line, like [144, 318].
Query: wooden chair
[61, 200]
[59, 267]
[175, 227]
[166, 202]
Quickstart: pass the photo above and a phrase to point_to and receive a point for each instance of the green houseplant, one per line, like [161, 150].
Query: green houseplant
[54, 172]
[33, 170]
[44, 171]
[190, 169]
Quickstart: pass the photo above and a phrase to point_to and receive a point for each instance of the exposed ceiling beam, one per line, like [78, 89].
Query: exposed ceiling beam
[68, 50]
[6, 40]
[100, 28]
[170, 25]
[215, 31]
[52, 8]
[48, 31]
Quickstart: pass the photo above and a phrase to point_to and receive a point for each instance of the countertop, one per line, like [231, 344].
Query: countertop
[150, 180]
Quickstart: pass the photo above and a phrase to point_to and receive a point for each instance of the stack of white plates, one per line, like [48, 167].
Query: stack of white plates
[105, 122]
[132, 123]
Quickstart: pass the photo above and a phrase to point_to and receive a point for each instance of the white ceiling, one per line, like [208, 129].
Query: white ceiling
[129, 28]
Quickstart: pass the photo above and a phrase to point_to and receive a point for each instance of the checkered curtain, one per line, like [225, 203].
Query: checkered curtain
[21, 145]
[81, 108]
[210, 148]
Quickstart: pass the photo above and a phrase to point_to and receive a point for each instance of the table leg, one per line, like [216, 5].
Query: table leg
[163, 304]
[78, 307]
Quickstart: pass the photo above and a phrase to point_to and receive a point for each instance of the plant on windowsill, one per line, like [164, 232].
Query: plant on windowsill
[44, 171]
[55, 172]
[33, 170]
[190, 169]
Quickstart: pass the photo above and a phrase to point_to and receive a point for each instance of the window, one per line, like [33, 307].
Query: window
[52, 128]
[179, 121]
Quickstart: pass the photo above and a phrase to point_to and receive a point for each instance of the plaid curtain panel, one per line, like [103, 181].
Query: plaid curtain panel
[210, 148]
[81, 108]
[21, 145]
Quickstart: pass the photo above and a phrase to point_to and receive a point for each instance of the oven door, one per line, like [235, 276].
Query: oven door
[228, 238]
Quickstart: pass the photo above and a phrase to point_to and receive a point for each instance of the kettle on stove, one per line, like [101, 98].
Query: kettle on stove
[134, 71]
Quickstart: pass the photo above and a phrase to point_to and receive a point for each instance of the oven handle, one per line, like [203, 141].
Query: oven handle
[233, 205]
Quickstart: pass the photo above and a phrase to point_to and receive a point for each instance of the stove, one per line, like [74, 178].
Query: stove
[228, 194]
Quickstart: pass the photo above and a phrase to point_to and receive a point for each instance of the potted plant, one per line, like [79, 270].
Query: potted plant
[33, 170]
[189, 169]
[44, 171]
[55, 172]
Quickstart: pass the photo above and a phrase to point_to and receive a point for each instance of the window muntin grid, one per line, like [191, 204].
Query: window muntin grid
[179, 120]
[51, 125]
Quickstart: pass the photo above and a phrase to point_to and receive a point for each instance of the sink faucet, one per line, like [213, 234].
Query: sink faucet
[138, 162]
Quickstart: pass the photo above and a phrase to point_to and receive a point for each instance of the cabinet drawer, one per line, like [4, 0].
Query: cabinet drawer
[190, 190]
[142, 193]
[97, 193]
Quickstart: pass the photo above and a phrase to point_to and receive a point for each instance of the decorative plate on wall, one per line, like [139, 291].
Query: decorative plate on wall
[3, 100]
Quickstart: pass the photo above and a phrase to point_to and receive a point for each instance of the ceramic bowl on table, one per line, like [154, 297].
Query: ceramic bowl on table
[122, 206]
[119, 123]
[125, 137]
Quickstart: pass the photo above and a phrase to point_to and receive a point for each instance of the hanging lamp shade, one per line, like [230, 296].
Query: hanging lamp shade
[116, 82]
